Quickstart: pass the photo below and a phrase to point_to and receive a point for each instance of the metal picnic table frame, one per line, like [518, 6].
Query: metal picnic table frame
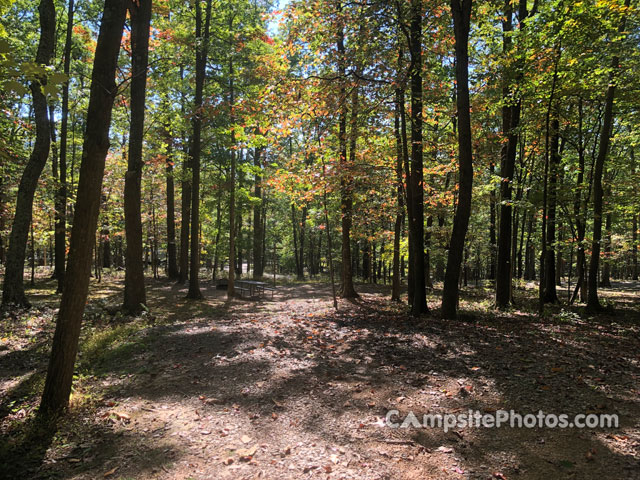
[253, 287]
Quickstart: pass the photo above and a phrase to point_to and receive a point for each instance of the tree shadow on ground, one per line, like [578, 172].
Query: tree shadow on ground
[324, 376]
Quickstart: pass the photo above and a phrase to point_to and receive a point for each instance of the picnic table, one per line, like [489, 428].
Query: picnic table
[253, 288]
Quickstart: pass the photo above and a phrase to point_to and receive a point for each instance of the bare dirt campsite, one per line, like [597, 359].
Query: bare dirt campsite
[289, 388]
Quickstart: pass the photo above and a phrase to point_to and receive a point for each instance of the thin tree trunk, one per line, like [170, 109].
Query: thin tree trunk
[550, 293]
[492, 228]
[13, 289]
[172, 260]
[397, 232]
[216, 254]
[461, 11]
[593, 302]
[185, 206]
[634, 227]
[61, 207]
[96, 144]
[196, 148]
[258, 232]
[135, 298]
[232, 184]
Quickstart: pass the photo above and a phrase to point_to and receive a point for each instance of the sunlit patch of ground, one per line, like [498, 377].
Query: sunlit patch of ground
[289, 388]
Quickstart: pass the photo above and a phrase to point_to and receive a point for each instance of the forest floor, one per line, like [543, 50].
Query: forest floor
[288, 388]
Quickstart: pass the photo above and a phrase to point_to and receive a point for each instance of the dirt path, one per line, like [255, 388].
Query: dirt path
[289, 389]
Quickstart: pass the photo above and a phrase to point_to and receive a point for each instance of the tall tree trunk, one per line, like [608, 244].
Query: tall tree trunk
[397, 231]
[593, 302]
[550, 293]
[172, 260]
[545, 188]
[53, 154]
[294, 228]
[216, 254]
[258, 232]
[61, 205]
[232, 185]
[196, 148]
[346, 180]
[461, 11]
[416, 214]
[13, 288]
[185, 205]
[579, 211]
[634, 227]
[96, 144]
[135, 297]
[510, 123]
[303, 230]
[492, 228]
[605, 280]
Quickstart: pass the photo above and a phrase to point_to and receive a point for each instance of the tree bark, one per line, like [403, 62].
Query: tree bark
[593, 302]
[232, 185]
[258, 232]
[416, 213]
[196, 148]
[634, 226]
[461, 11]
[550, 293]
[135, 297]
[13, 289]
[397, 231]
[172, 260]
[346, 180]
[96, 144]
[61, 205]
[510, 124]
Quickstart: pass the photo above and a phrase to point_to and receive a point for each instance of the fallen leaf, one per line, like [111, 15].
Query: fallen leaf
[246, 454]
[444, 449]
[110, 472]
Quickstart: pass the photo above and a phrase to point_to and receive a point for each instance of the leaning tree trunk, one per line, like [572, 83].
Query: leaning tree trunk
[135, 298]
[96, 144]
[13, 289]
[461, 11]
[593, 302]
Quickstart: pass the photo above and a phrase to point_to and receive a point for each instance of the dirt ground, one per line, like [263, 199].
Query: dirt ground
[288, 388]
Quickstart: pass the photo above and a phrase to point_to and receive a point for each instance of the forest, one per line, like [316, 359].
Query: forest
[241, 238]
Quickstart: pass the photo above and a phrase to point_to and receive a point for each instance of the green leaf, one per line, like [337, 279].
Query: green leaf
[50, 90]
[13, 86]
[4, 46]
[58, 78]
